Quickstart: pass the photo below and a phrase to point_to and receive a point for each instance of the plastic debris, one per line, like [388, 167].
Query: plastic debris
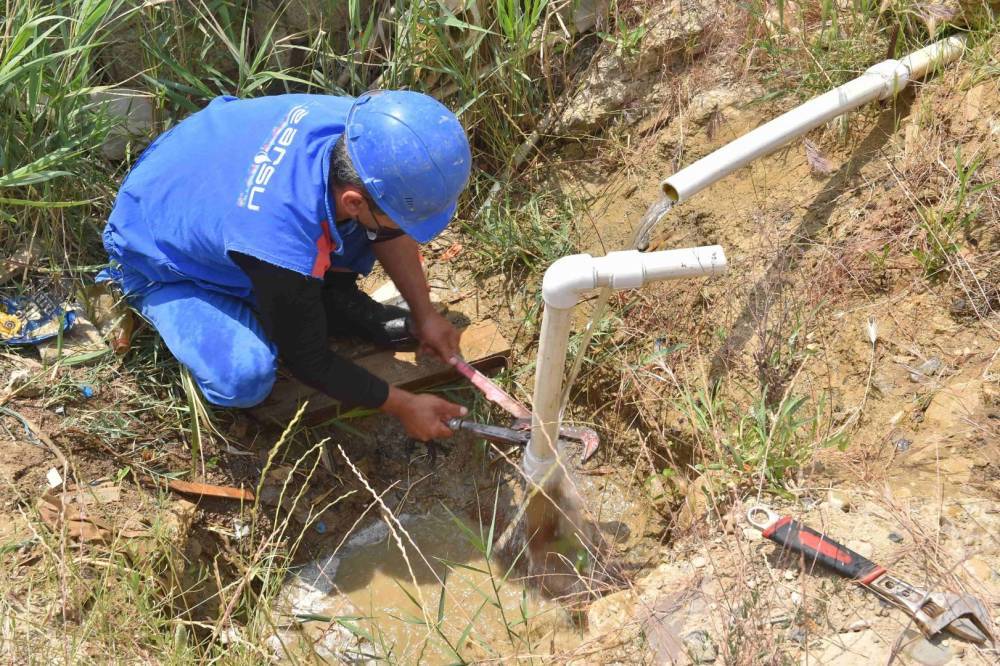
[53, 477]
[29, 320]
[87, 390]
[451, 252]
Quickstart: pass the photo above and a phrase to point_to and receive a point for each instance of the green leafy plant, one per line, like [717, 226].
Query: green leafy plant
[944, 225]
[625, 38]
[755, 444]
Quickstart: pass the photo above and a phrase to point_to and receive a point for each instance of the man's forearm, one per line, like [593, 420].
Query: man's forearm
[401, 259]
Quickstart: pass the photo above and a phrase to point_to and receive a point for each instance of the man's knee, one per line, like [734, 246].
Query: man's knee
[247, 383]
[218, 338]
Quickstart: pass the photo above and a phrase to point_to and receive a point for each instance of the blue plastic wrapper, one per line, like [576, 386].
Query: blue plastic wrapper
[29, 320]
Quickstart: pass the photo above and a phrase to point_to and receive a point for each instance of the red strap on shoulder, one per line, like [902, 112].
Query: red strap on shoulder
[324, 246]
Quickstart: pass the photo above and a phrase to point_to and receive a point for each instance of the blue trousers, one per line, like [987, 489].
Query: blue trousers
[216, 335]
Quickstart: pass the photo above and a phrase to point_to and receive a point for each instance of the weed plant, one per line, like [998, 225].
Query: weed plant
[944, 226]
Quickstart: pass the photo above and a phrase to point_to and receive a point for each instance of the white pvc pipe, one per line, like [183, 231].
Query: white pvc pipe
[564, 284]
[568, 278]
[878, 82]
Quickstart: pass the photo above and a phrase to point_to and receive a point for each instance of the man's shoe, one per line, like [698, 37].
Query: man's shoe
[351, 312]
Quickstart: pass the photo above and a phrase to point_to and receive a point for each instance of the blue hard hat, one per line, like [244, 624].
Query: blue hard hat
[413, 157]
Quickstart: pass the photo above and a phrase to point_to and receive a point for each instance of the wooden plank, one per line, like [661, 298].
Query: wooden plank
[209, 490]
[482, 345]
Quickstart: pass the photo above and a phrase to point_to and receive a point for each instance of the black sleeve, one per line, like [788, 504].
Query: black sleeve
[290, 310]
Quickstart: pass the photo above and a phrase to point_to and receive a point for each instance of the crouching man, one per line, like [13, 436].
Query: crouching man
[240, 234]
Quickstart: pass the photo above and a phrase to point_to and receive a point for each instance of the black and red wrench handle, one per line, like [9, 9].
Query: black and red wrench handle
[816, 547]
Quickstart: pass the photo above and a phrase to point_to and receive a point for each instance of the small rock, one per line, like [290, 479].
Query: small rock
[699, 562]
[903, 445]
[606, 614]
[838, 501]
[954, 405]
[926, 369]
[658, 494]
[276, 646]
[859, 625]
[926, 652]
[796, 598]
[895, 537]
[19, 380]
[132, 111]
[700, 647]
[790, 575]
[752, 534]
[230, 635]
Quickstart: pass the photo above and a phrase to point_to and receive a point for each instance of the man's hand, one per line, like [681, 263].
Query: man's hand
[422, 415]
[437, 335]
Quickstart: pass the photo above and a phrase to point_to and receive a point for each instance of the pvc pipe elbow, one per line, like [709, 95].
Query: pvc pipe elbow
[566, 279]
[569, 277]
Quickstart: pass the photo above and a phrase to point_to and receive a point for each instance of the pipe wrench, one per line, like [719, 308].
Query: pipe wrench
[519, 432]
[961, 615]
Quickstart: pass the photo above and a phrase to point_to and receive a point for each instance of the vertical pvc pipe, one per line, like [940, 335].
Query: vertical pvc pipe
[551, 362]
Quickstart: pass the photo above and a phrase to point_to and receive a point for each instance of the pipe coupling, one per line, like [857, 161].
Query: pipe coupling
[894, 74]
[540, 471]
[620, 270]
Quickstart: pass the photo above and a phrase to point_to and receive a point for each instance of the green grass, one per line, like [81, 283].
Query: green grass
[751, 444]
[521, 235]
[945, 225]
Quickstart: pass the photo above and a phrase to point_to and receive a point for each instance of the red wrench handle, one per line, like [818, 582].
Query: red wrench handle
[819, 548]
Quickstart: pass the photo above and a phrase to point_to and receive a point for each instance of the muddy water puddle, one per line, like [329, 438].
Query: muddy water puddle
[442, 603]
